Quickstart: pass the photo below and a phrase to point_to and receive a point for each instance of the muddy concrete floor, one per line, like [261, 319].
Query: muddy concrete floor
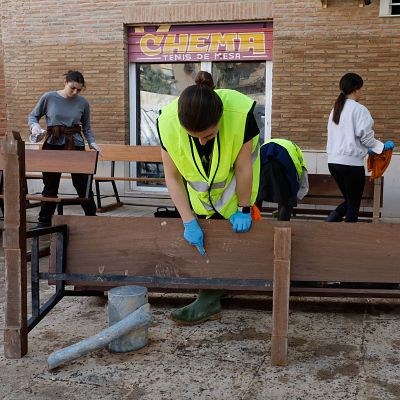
[338, 349]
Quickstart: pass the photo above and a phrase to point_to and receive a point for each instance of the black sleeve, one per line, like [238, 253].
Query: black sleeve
[159, 136]
[251, 128]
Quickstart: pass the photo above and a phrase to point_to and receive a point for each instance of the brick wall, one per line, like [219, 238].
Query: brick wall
[313, 47]
[3, 120]
[45, 38]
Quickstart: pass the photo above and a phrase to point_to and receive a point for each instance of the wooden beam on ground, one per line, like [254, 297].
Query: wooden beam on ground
[280, 308]
[15, 331]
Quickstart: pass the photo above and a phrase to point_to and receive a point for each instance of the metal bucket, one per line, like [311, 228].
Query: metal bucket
[123, 301]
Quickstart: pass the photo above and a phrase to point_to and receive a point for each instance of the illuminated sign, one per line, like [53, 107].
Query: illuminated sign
[183, 43]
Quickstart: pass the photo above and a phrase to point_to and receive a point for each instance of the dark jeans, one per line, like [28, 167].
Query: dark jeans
[351, 181]
[51, 181]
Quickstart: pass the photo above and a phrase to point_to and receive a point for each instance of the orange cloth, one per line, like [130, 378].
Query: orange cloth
[377, 163]
[255, 213]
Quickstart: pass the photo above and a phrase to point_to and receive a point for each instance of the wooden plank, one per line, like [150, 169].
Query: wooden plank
[320, 251]
[120, 178]
[323, 212]
[109, 207]
[280, 308]
[336, 292]
[147, 246]
[325, 192]
[15, 332]
[331, 201]
[345, 252]
[325, 185]
[121, 152]
[80, 162]
[71, 199]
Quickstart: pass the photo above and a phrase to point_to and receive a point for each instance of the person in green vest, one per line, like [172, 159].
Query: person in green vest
[283, 176]
[210, 141]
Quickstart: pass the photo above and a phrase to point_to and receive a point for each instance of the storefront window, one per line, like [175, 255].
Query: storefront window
[164, 60]
[247, 78]
[159, 85]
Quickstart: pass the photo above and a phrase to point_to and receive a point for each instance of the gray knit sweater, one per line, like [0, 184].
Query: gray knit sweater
[59, 110]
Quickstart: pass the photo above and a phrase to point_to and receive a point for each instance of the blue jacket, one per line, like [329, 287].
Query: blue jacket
[273, 150]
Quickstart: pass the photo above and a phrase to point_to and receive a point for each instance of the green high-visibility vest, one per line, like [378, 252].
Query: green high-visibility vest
[294, 152]
[217, 191]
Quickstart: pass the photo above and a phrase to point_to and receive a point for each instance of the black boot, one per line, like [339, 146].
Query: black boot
[334, 216]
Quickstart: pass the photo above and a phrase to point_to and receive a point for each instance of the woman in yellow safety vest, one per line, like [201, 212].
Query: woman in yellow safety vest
[210, 140]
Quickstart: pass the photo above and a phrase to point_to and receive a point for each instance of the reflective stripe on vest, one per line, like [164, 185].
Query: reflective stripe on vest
[230, 189]
[204, 187]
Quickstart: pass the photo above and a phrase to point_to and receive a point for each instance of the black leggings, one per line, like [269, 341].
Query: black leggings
[351, 181]
[51, 181]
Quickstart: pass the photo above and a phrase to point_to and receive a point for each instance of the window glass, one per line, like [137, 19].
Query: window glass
[395, 8]
[159, 85]
[247, 78]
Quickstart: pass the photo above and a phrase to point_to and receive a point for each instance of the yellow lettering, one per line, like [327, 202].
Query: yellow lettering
[171, 45]
[254, 41]
[219, 40]
[151, 44]
[197, 42]
[163, 28]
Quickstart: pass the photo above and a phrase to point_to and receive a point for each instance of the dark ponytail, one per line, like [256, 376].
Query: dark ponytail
[199, 107]
[348, 84]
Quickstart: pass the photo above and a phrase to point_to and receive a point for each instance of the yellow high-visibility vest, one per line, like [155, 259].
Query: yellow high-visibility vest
[217, 191]
[294, 152]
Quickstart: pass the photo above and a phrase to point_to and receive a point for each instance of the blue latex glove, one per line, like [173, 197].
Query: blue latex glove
[240, 222]
[389, 145]
[370, 152]
[194, 235]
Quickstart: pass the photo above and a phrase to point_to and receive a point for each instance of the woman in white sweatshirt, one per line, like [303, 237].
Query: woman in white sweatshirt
[350, 136]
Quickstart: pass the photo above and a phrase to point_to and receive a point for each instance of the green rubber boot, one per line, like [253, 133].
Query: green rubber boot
[206, 307]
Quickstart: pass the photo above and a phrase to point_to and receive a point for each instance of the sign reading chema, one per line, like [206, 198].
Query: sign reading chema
[182, 43]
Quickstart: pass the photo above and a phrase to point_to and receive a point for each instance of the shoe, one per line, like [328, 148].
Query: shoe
[42, 225]
[207, 307]
[334, 216]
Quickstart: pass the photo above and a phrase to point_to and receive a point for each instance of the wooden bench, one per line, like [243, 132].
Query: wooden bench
[325, 194]
[61, 161]
[269, 259]
[278, 257]
[114, 153]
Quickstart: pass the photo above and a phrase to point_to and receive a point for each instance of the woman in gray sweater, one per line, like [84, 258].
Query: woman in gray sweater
[67, 117]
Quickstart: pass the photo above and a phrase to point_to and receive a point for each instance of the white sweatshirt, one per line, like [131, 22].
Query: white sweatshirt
[349, 141]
